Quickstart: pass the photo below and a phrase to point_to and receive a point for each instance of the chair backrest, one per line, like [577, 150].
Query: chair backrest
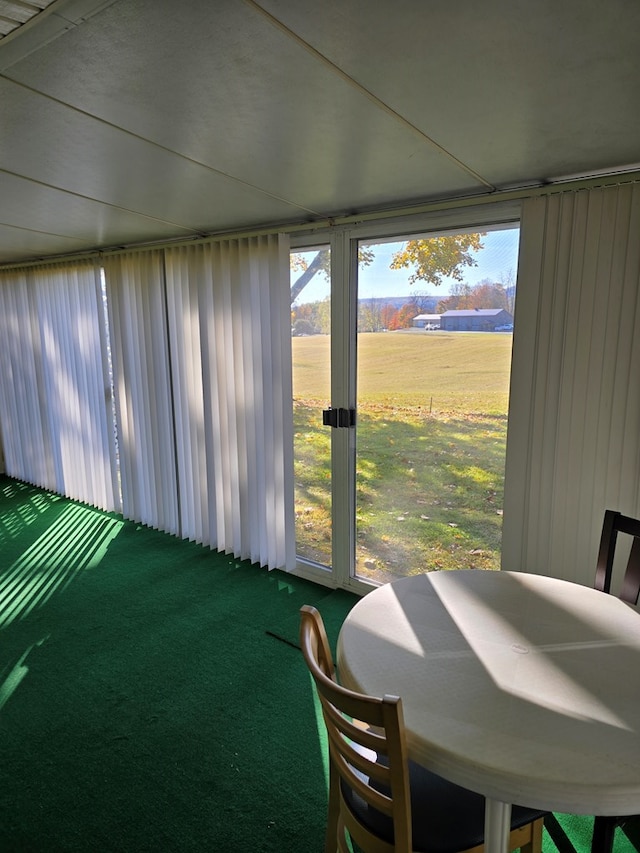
[367, 746]
[614, 523]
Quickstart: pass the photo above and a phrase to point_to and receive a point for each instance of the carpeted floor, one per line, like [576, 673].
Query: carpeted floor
[152, 697]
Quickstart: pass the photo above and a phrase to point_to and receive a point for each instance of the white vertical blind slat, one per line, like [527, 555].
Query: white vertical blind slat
[255, 360]
[238, 319]
[226, 454]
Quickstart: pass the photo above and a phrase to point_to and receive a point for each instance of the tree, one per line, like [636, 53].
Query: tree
[434, 258]
[508, 281]
[424, 302]
[370, 316]
[311, 318]
[323, 316]
[303, 327]
[404, 318]
[455, 300]
[487, 294]
[387, 315]
[431, 258]
[321, 263]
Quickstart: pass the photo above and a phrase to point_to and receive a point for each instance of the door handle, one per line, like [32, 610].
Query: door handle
[338, 418]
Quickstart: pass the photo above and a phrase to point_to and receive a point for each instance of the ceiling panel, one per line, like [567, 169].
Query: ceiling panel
[82, 155]
[125, 121]
[243, 98]
[517, 91]
[70, 219]
[17, 244]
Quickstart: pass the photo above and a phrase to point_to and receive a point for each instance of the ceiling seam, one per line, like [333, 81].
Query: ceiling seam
[159, 146]
[390, 215]
[27, 230]
[369, 94]
[75, 194]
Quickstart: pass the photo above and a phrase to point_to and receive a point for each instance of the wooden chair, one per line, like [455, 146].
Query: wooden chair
[614, 522]
[379, 798]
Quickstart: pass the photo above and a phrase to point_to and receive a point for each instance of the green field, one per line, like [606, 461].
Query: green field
[431, 437]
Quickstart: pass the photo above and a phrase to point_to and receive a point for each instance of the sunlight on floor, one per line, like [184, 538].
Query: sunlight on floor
[27, 505]
[15, 675]
[75, 542]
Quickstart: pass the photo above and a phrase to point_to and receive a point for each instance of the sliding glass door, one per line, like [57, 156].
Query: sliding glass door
[401, 369]
[434, 358]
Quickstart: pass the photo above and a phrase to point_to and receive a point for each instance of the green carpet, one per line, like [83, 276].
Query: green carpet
[151, 694]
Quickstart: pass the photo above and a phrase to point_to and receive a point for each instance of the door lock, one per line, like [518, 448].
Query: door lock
[338, 418]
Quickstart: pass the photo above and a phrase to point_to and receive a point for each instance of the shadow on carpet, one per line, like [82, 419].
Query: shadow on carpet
[334, 605]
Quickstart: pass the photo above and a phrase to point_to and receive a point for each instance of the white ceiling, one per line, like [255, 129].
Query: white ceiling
[126, 121]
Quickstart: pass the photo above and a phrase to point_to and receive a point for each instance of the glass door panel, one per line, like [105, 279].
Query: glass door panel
[311, 359]
[434, 329]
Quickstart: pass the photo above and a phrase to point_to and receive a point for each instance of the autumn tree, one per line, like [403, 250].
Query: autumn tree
[311, 318]
[486, 294]
[435, 258]
[405, 315]
[431, 259]
[387, 315]
[456, 299]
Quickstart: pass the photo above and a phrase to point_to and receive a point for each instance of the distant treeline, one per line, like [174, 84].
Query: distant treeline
[397, 312]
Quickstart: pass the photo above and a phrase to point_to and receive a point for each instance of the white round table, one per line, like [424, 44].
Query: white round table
[521, 687]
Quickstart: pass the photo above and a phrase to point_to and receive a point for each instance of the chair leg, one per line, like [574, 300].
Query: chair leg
[534, 845]
[342, 845]
[331, 835]
[604, 829]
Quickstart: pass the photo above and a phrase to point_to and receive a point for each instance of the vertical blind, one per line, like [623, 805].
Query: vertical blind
[142, 385]
[229, 310]
[54, 382]
[574, 424]
[202, 374]
[198, 352]
[27, 443]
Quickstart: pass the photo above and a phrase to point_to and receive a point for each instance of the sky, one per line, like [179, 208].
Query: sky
[497, 261]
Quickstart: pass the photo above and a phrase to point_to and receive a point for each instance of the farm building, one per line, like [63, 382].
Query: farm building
[427, 321]
[475, 320]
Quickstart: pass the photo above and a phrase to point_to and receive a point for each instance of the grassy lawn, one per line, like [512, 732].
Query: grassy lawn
[432, 419]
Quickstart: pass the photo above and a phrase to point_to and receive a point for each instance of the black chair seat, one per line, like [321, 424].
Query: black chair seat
[436, 807]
